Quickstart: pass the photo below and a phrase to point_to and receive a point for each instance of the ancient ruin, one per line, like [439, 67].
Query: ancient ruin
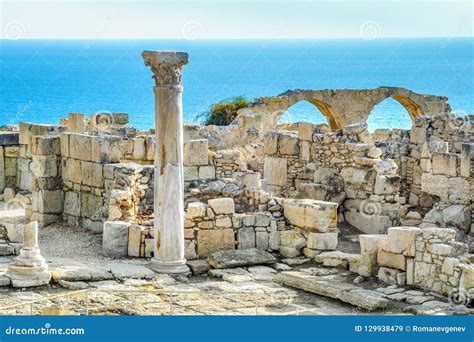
[321, 208]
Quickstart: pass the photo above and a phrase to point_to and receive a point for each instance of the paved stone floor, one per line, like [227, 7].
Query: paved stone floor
[86, 282]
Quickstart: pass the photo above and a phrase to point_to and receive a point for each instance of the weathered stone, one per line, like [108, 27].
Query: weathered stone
[240, 258]
[401, 240]
[196, 210]
[207, 172]
[366, 299]
[199, 266]
[80, 146]
[391, 276]
[210, 241]
[387, 185]
[311, 215]
[322, 241]
[392, 260]
[335, 259]
[115, 239]
[222, 205]
[196, 152]
[275, 171]
[246, 238]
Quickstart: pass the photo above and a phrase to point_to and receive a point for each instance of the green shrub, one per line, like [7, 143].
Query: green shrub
[224, 112]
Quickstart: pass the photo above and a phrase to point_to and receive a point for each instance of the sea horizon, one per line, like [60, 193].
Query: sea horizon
[43, 80]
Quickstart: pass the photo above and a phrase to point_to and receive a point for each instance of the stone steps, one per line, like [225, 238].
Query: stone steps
[348, 293]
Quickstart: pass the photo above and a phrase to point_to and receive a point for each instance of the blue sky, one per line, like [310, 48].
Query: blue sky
[244, 19]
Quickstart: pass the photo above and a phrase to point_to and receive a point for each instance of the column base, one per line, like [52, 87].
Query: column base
[171, 267]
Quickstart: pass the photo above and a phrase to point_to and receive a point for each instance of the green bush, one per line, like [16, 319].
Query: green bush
[224, 112]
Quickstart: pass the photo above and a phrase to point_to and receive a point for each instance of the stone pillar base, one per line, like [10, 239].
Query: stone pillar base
[171, 267]
[28, 276]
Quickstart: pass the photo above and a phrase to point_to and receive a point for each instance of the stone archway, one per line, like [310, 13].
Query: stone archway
[332, 118]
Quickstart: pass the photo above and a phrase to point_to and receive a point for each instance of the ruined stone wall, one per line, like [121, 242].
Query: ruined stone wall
[342, 167]
[427, 258]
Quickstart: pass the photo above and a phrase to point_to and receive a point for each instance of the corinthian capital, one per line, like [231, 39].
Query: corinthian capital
[166, 66]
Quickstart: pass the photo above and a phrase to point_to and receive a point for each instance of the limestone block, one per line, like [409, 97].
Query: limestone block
[354, 176]
[261, 239]
[134, 240]
[150, 145]
[196, 152]
[458, 216]
[246, 238]
[64, 141]
[445, 164]
[369, 243]
[322, 241]
[76, 122]
[2, 167]
[401, 240]
[449, 264]
[439, 248]
[387, 185]
[311, 215]
[191, 173]
[190, 250]
[223, 222]
[305, 131]
[273, 237]
[44, 166]
[240, 258]
[91, 174]
[45, 145]
[196, 210]
[465, 160]
[305, 150]
[336, 259]
[48, 202]
[207, 172]
[249, 179]
[107, 149]
[222, 205]
[392, 260]
[115, 239]
[139, 148]
[8, 194]
[292, 239]
[270, 142]
[149, 244]
[263, 219]
[72, 203]
[210, 241]
[391, 276]
[453, 190]
[71, 170]
[386, 167]
[418, 135]
[92, 206]
[288, 144]
[275, 171]
[80, 146]
[466, 282]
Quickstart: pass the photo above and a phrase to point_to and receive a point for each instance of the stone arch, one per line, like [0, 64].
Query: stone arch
[332, 118]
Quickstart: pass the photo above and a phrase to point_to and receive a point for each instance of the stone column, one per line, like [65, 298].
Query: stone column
[168, 251]
[29, 268]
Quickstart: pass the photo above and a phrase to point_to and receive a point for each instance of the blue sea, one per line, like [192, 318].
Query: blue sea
[43, 80]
